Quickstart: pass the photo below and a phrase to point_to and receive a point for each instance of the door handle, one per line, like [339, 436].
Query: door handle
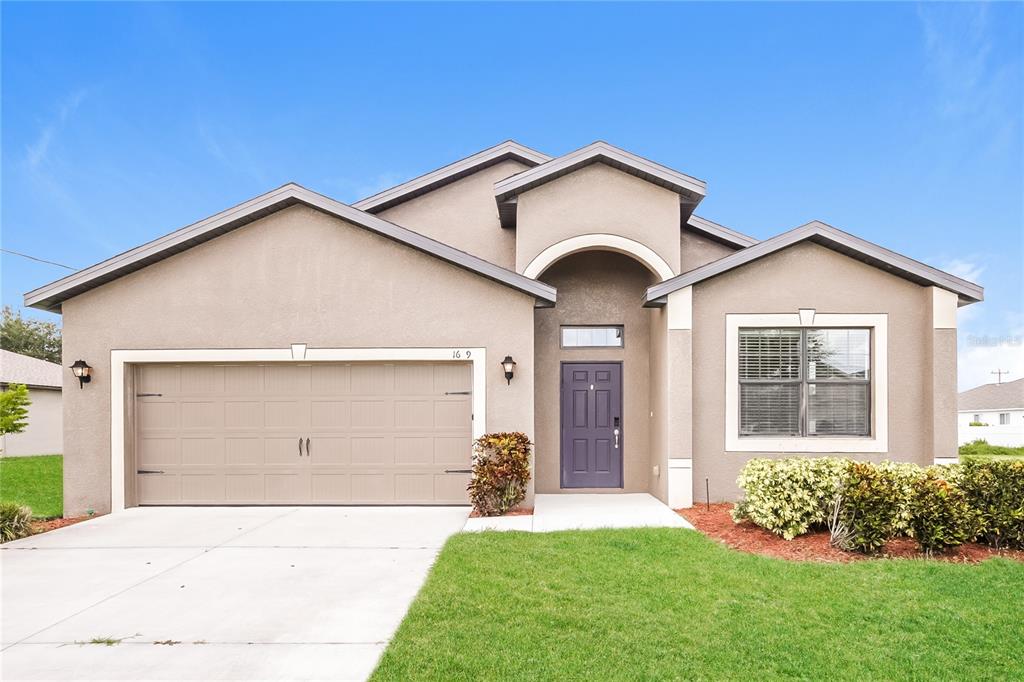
[300, 446]
[308, 451]
[616, 432]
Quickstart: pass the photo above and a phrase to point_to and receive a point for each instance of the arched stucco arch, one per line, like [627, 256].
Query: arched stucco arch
[592, 242]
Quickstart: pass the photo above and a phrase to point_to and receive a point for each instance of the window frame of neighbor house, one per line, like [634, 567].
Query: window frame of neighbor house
[1004, 418]
[794, 362]
[618, 329]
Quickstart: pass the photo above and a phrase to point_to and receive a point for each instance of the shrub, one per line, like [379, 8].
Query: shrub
[788, 496]
[501, 470]
[940, 514]
[995, 490]
[15, 521]
[982, 449]
[867, 511]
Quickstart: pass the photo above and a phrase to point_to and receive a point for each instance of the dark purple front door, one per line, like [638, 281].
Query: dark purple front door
[591, 425]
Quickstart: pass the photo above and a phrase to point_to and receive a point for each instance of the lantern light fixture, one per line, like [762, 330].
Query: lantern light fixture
[82, 371]
[509, 365]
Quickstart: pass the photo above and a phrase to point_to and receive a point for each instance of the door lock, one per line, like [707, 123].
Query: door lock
[616, 432]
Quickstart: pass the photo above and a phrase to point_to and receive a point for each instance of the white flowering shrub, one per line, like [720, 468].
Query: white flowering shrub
[788, 496]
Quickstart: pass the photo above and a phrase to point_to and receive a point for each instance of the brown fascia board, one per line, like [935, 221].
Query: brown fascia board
[690, 189]
[50, 296]
[830, 237]
[423, 184]
[719, 233]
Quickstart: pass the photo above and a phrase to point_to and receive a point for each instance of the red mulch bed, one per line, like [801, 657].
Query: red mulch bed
[44, 525]
[518, 511]
[718, 524]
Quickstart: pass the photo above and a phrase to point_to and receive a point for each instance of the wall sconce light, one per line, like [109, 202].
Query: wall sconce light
[509, 365]
[83, 371]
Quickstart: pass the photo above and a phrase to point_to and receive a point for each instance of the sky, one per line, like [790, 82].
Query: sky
[900, 123]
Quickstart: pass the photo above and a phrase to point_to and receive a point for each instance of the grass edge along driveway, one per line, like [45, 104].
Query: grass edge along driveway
[672, 604]
[36, 482]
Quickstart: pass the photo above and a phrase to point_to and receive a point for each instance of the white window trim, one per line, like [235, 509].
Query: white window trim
[120, 358]
[877, 442]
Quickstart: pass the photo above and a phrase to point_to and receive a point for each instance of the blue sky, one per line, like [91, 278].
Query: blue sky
[900, 123]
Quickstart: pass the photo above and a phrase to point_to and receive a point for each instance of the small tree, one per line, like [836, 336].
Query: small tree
[14, 404]
[35, 338]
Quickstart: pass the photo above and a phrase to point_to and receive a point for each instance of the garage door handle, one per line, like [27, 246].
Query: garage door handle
[458, 471]
[148, 471]
[308, 451]
[300, 446]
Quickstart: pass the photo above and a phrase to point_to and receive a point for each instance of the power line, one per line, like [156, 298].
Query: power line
[39, 260]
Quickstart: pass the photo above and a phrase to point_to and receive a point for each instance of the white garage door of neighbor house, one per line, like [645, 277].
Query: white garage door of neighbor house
[289, 433]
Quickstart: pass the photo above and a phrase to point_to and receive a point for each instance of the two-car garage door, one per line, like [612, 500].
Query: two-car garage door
[289, 433]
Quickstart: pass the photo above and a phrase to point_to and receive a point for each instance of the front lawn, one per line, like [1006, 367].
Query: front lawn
[36, 482]
[672, 604]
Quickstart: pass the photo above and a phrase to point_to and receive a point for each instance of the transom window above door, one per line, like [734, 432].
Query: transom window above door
[805, 382]
[609, 336]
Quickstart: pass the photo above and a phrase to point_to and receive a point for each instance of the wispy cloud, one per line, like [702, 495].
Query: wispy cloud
[971, 84]
[230, 151]
[37, 152]
[965, 268]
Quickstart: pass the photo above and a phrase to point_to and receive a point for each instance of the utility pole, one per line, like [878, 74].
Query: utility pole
[999, 374]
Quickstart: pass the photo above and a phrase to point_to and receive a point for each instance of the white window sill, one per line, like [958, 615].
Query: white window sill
[850, 444]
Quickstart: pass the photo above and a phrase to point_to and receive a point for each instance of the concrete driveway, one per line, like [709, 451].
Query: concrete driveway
[216, 593]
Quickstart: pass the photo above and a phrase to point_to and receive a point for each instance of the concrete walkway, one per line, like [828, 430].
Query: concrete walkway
[577, 512]
[237, 593]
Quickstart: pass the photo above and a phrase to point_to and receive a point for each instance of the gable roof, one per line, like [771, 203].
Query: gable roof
[50, 296]
[835, 239]
[1008, 396]
[690, 189]
[509, 149]
[720, 233]
[33, 372]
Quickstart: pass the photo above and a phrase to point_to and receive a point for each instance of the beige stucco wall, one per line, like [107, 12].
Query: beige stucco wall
[943, 390]
[658, 400]
[810, 276]
[295, 276]
[595, 287]
[464, 215]
[42, 436]
[597, 199]
[696, 250]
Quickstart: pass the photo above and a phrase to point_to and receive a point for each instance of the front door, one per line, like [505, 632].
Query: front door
[592, 438]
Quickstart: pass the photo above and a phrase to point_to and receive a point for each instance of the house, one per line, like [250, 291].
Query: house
[297, 350]
[43, 435]
[993, 412]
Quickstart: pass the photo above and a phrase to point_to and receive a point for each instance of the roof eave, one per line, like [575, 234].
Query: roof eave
[50, 296]
[826, 235]
[423, 184]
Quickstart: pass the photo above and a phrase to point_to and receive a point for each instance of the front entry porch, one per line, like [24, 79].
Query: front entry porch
[586, 511]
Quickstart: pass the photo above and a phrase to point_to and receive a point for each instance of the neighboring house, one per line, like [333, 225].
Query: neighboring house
[43, 435]
[993, 412]
[297, 350]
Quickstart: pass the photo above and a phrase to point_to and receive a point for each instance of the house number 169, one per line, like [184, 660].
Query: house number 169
[459, 354]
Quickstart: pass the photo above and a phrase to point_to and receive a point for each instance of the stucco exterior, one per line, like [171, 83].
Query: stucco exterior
[598, 199]
[811, 276]
[464, 215]
[297, 276]
[586, 244]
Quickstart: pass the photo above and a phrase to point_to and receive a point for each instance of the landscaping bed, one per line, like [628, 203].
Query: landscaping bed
[716, 523]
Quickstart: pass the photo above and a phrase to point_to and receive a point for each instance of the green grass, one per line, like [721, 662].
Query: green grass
[36, 482]
[981, 451]
[671, 604]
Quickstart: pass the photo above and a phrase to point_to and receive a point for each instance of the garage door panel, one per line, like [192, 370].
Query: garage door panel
[331, 488]
[201, 415]
[155, 415]
[378, 433]
[202, 487]
[202, 451]
[159, 451]
[243, 451]
[243, 415]
[329, 450]
[330, 414]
